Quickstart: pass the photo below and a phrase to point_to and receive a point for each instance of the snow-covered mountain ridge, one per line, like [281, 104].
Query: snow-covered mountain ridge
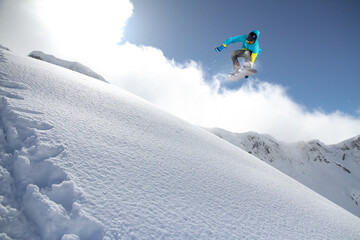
[331, 170]
[82, 159]
[74, 66]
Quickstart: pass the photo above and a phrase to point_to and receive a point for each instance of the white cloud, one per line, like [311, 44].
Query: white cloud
[256, 106]
[63, 27]
[87, 32]
[80, 26]
[19, 28]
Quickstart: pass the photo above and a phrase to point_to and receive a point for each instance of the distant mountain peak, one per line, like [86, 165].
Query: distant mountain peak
[331, 170]
[356, 143]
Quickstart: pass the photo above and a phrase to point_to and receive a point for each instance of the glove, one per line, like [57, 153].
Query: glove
[218, 49]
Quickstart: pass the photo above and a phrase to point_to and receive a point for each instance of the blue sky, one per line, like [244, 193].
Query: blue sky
[309, 46]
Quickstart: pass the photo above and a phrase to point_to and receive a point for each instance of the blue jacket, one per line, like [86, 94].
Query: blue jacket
[254, 48]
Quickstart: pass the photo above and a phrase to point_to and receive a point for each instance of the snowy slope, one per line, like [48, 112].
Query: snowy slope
[75, 66]
[331, 170]
[81, 159]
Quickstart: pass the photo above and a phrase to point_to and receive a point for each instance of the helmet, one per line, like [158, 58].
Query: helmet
[251, 37]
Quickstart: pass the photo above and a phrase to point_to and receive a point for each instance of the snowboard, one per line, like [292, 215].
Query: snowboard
[244, 73]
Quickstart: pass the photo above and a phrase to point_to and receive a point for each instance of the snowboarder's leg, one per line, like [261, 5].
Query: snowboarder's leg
[246, 54]
[247, 57]
[234, 57]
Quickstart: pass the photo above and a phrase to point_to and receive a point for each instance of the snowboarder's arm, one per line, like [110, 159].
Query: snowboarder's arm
[218, 49]
[241, 38]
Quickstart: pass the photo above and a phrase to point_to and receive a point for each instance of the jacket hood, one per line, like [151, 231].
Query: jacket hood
[257, 32]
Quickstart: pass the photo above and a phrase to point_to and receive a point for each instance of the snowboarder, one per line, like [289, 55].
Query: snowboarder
[249, 51]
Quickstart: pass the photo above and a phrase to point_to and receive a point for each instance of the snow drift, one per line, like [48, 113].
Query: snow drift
[5, 48]
[74, 66]
[81, 159]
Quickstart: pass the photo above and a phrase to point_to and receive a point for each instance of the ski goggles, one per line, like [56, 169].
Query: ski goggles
[249, 42]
